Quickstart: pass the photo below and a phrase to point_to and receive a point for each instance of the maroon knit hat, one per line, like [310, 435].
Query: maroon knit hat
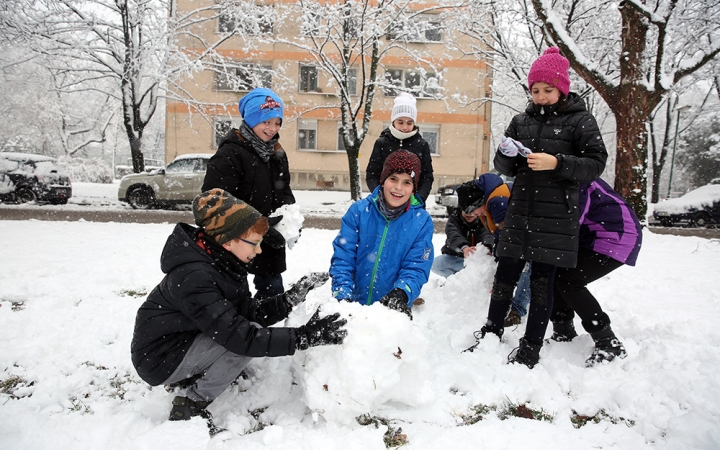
[402, 161]
[551, 68]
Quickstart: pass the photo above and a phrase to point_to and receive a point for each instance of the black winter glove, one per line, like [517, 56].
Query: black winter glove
[397, 299]
[320, 331]
[274, 220]
[274, 238]
[297, 293]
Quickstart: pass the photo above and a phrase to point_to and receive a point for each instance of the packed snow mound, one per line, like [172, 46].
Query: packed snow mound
[383, 361]
[291, 223]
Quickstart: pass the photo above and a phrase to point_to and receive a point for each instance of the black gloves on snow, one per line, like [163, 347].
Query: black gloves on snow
[397, 299]
[274, 238]
[297, 293]
[320, 331]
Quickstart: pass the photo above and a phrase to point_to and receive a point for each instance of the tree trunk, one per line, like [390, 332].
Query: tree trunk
[354, 166]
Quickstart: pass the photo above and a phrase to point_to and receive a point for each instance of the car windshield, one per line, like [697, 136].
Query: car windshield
[181, 166]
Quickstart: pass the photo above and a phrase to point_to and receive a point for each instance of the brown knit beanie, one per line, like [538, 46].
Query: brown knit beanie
[222, 216]
[402, 161]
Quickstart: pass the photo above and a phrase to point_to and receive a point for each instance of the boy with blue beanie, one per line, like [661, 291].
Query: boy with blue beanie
[251, 165]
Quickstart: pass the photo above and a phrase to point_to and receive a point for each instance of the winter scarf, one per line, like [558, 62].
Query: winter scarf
[264, 149]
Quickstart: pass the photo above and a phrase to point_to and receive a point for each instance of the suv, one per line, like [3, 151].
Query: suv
[25, 177]
[175, 184]
[447, 197]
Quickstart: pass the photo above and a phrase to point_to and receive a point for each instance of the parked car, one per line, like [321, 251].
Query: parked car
[175, 184]
[698, 208]
[447, 194]
[26, 177]
[126, 169]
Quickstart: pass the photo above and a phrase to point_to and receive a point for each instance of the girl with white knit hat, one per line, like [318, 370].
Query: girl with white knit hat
[404, 134]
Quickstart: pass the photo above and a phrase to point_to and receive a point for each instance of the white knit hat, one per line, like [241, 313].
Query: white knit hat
[404, 107]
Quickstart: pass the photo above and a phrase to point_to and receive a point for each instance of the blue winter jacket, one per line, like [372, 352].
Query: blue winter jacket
[608, 225]
[374, 255]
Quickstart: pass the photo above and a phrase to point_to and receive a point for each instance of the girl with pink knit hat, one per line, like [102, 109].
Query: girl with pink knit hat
[550, 149]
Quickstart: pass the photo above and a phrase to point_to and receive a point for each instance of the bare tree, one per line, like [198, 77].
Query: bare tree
[633, 57]
[122, 49]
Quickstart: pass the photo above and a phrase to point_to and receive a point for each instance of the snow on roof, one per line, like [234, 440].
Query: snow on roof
[15, 156]
[697, 199]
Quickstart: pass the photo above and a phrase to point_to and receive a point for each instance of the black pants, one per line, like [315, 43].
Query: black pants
[572, 294]
[541, 296]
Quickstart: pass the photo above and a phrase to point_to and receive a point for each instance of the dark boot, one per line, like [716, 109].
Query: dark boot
[526, 353]
[184, 408]
[512, 319]
[563, 331]
[607, 347]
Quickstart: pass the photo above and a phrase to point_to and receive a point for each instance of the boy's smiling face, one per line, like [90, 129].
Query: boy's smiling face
[243, 248]
[397, 189]
[268, 129]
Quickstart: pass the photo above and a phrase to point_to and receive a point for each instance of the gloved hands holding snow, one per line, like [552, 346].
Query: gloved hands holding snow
[320, 331]
[297, 293]
[274, 220]
[397, 299]
[274, 238]
[510, 147]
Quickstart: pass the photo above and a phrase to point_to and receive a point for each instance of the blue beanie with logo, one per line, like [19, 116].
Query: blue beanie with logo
[259, 105]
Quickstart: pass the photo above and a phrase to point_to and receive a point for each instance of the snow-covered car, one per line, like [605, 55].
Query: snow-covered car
[26, 177]
[175, 184]
[447, 196]
[698, 208]
[126, 169]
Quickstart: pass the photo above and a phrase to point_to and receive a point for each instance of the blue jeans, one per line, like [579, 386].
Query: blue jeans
[268, 285]
[447, 265]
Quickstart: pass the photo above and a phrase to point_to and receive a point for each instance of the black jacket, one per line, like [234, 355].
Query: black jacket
[386, 144]
[459, 233]
[197, 297]
[542, 218]
[265, 186]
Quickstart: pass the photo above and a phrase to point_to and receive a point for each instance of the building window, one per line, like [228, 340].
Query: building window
[420, 83]
[308, 79]
[220, 129]
[244, 77]
[423, 28]
[307, 134]
[258, 22]
[431, 134]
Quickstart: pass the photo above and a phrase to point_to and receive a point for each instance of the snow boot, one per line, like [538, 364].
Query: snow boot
[607, 347]
[512, 319]
[184, 408]
[526, 353]
[563, 331]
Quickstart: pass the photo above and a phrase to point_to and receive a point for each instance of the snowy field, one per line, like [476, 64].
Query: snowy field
[69, 292]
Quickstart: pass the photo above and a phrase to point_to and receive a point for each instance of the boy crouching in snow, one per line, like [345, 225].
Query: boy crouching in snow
[201, 320]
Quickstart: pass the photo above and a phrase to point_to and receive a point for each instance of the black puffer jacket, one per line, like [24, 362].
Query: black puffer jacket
[542, 219]
[459, 233]
[386, 144]
[265, 186]
[197, 297]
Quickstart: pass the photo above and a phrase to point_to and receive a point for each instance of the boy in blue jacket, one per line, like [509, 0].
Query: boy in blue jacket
[384, 249]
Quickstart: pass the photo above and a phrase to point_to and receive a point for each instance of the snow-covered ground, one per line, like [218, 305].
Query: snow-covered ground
[69, 292]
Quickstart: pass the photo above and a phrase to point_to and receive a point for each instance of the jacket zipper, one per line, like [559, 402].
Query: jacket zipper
[377, 261]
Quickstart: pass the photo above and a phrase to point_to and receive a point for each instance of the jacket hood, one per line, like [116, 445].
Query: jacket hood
[181, 248]
[487, 183]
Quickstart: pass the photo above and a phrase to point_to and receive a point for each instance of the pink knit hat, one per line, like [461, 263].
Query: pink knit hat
[551, 68]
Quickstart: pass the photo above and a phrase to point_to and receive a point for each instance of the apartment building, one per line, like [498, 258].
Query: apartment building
[458, 135]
